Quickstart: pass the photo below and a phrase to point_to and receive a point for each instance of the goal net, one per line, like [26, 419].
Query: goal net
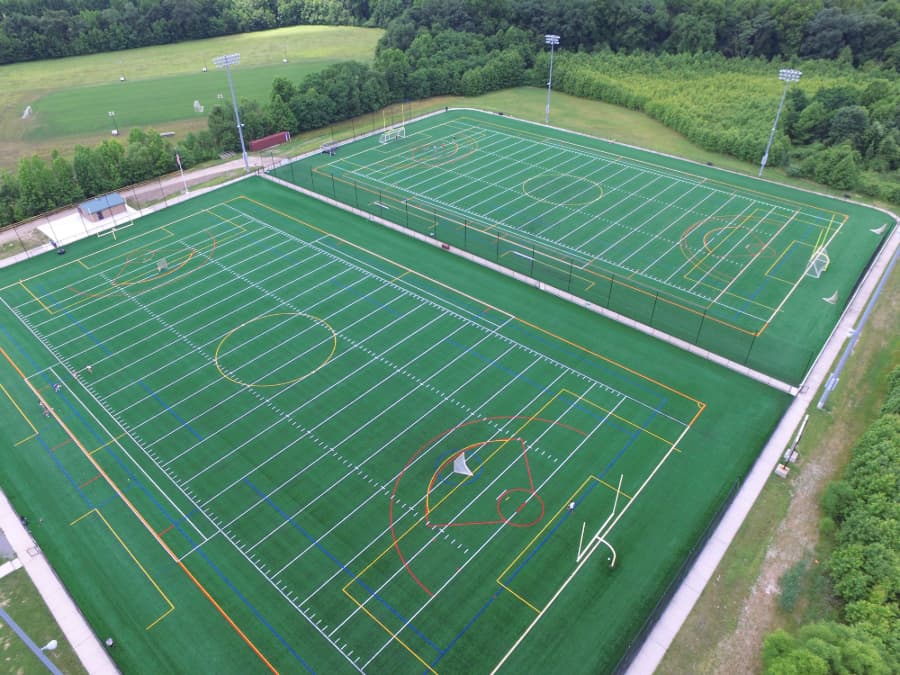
[392, 134]
[460, 466]
[818, 263]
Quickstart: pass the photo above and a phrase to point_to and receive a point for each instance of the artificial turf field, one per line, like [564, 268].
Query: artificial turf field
[253, 461]
[715, 258]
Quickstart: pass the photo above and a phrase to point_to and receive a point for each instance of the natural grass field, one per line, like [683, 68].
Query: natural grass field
[21, 601]
[423, 342]
[71, 97]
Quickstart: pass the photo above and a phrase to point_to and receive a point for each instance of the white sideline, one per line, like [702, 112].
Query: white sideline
[84, 642]
[673, 617]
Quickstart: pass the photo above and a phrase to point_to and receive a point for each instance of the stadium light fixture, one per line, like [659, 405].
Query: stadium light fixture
[226, 62]
[786, 75]
[112, 114]
[551, 40]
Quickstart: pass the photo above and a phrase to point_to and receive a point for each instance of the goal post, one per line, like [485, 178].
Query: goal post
[392, 134]
[818, 263]
[600, 536]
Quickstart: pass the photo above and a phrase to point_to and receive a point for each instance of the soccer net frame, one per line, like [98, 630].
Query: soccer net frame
[392, 134]
[818, 263]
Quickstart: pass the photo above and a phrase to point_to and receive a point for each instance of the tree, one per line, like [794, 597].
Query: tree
[848, 123]
[812, 123]
[65, 188]
[35, 181]
[9, 195]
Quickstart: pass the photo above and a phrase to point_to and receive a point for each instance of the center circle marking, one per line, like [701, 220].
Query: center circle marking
[305, 336]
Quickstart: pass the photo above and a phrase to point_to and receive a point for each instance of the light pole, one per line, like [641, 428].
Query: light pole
[786, 75]
[112, 113]
[551, 40]
[226, 62]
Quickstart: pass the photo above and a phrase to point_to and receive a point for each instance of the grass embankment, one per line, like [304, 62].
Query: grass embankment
[71, 98]
[742, 603]
[20, 599]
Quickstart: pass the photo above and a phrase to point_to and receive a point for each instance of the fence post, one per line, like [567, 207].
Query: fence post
[700, 328]
[612, 281]
[653, 309]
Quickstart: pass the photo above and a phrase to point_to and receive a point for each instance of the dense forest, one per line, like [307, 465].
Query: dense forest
[813, 29]
[706, 68]
[862, 516]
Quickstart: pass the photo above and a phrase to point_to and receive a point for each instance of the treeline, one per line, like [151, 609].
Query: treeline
[36, 29]
[40, 186]
[862, 514]
[840, 125]
[863, 31]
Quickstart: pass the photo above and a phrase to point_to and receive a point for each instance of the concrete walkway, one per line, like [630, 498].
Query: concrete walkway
[666, 628]
[74, 626]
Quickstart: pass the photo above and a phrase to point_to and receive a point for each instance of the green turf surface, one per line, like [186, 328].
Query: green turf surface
[283, 404]
[714, 258]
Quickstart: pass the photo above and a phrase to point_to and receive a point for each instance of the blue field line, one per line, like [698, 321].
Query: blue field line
[199, 550]
[50, 380]
[136, 481]
[75, 321]
[614, 373]
[346, 570]
[367, 297]
[65, 472]
[465, 628]
[468, 349]
[548, 535]
[739, 311]
[174, 414]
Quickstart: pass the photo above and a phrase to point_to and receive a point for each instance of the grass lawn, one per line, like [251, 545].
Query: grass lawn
[20, 599]
[71, 97]
[705, 642]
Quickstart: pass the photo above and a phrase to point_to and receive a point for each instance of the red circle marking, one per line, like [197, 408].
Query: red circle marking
[520, 506]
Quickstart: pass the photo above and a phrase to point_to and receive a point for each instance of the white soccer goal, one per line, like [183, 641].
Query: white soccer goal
[818, 263]
[392, 134]
[162, 265]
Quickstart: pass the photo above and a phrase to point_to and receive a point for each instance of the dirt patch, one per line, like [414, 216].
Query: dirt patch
[824, 459]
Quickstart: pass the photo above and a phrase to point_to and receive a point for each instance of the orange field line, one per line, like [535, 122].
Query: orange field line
[141, 518]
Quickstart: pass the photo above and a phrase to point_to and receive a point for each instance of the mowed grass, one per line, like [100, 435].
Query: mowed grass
[21, 600]
[71, 97]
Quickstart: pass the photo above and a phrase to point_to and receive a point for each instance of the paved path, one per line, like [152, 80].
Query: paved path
[681, 604]
[74, 626]
[15, 541]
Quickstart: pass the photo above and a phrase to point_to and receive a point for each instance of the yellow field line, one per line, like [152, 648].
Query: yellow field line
[115, 439]
[24, 416]
[136, 562]
[550, 522]
[387, 630]
[141, 518]
[481, 302]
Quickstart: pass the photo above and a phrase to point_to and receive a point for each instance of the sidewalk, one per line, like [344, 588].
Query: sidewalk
[682, 602]
[74, 626]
